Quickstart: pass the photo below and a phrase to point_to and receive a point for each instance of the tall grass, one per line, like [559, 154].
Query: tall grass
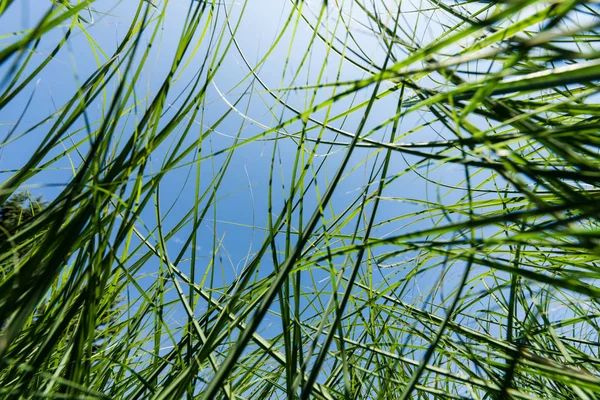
[387, 200]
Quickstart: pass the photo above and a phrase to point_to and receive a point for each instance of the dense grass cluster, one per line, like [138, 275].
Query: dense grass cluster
[380, 200]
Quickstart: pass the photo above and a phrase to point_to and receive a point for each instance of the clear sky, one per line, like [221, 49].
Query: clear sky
[238, 224]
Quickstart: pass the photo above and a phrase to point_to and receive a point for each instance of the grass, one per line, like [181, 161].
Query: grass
[387, 200]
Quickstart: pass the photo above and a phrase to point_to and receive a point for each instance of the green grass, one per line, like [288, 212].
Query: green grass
[420, 188]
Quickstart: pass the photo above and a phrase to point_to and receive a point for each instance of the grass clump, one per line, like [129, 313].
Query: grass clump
[386, 200]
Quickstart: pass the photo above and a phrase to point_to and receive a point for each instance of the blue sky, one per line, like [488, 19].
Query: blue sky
[239, 220]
